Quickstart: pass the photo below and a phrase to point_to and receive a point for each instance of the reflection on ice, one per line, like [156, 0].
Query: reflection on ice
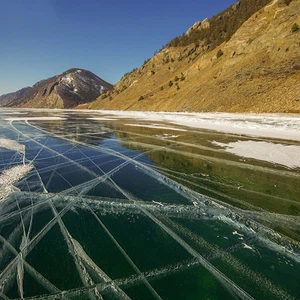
[125, 211]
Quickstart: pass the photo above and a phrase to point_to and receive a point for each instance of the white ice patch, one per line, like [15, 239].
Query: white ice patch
[11, 145]
[287, 155]
[9, 177]
[14, 174]
[156, 126]
[204, 175]
[236, 233]
[247, 246]
[159, 203]
[167, 136]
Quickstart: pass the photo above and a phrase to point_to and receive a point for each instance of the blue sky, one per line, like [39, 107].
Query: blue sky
[42, 38]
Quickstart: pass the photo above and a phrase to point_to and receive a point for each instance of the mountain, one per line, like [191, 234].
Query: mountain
[245, 59]
[67, 90]
[11, 97]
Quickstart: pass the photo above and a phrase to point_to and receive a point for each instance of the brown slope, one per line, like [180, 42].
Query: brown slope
[6, 99]
[257, 70]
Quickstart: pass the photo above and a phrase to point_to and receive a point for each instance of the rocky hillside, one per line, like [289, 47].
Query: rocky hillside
[11, 97]
[252, 68]
[72, 88]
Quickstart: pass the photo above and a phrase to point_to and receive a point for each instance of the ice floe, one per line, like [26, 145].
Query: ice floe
[11, 145]
[236, 233]
[287, 155]
[167, 136]
[247, 246]
[11, 176]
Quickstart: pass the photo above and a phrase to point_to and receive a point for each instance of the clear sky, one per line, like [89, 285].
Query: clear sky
[43, 38]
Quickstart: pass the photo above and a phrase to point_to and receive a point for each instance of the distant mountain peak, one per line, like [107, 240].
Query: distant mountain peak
[69, 89]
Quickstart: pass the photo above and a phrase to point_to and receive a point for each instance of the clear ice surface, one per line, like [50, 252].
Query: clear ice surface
[97, 205]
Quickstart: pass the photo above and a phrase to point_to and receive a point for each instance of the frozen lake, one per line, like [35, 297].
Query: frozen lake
[137, 205]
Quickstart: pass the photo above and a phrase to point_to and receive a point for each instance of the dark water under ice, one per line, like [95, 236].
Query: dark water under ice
[112, 211]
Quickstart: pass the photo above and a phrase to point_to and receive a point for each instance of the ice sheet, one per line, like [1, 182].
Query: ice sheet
[133, 194]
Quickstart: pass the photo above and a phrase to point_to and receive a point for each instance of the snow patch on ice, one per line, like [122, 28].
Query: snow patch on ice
[11, 145]
[167, 136]
[287, 155]
[236, 233]
[11, 176]
[247, 246]
[159, 203]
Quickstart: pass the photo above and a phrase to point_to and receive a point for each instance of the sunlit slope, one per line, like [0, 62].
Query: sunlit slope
[257, 70]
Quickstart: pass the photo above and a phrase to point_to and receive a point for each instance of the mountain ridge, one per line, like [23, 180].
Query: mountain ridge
[67, 90]
[244, 59]
[5, 99]
[256, 70]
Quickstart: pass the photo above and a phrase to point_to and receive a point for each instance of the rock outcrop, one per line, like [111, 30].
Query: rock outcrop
[199, 26]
